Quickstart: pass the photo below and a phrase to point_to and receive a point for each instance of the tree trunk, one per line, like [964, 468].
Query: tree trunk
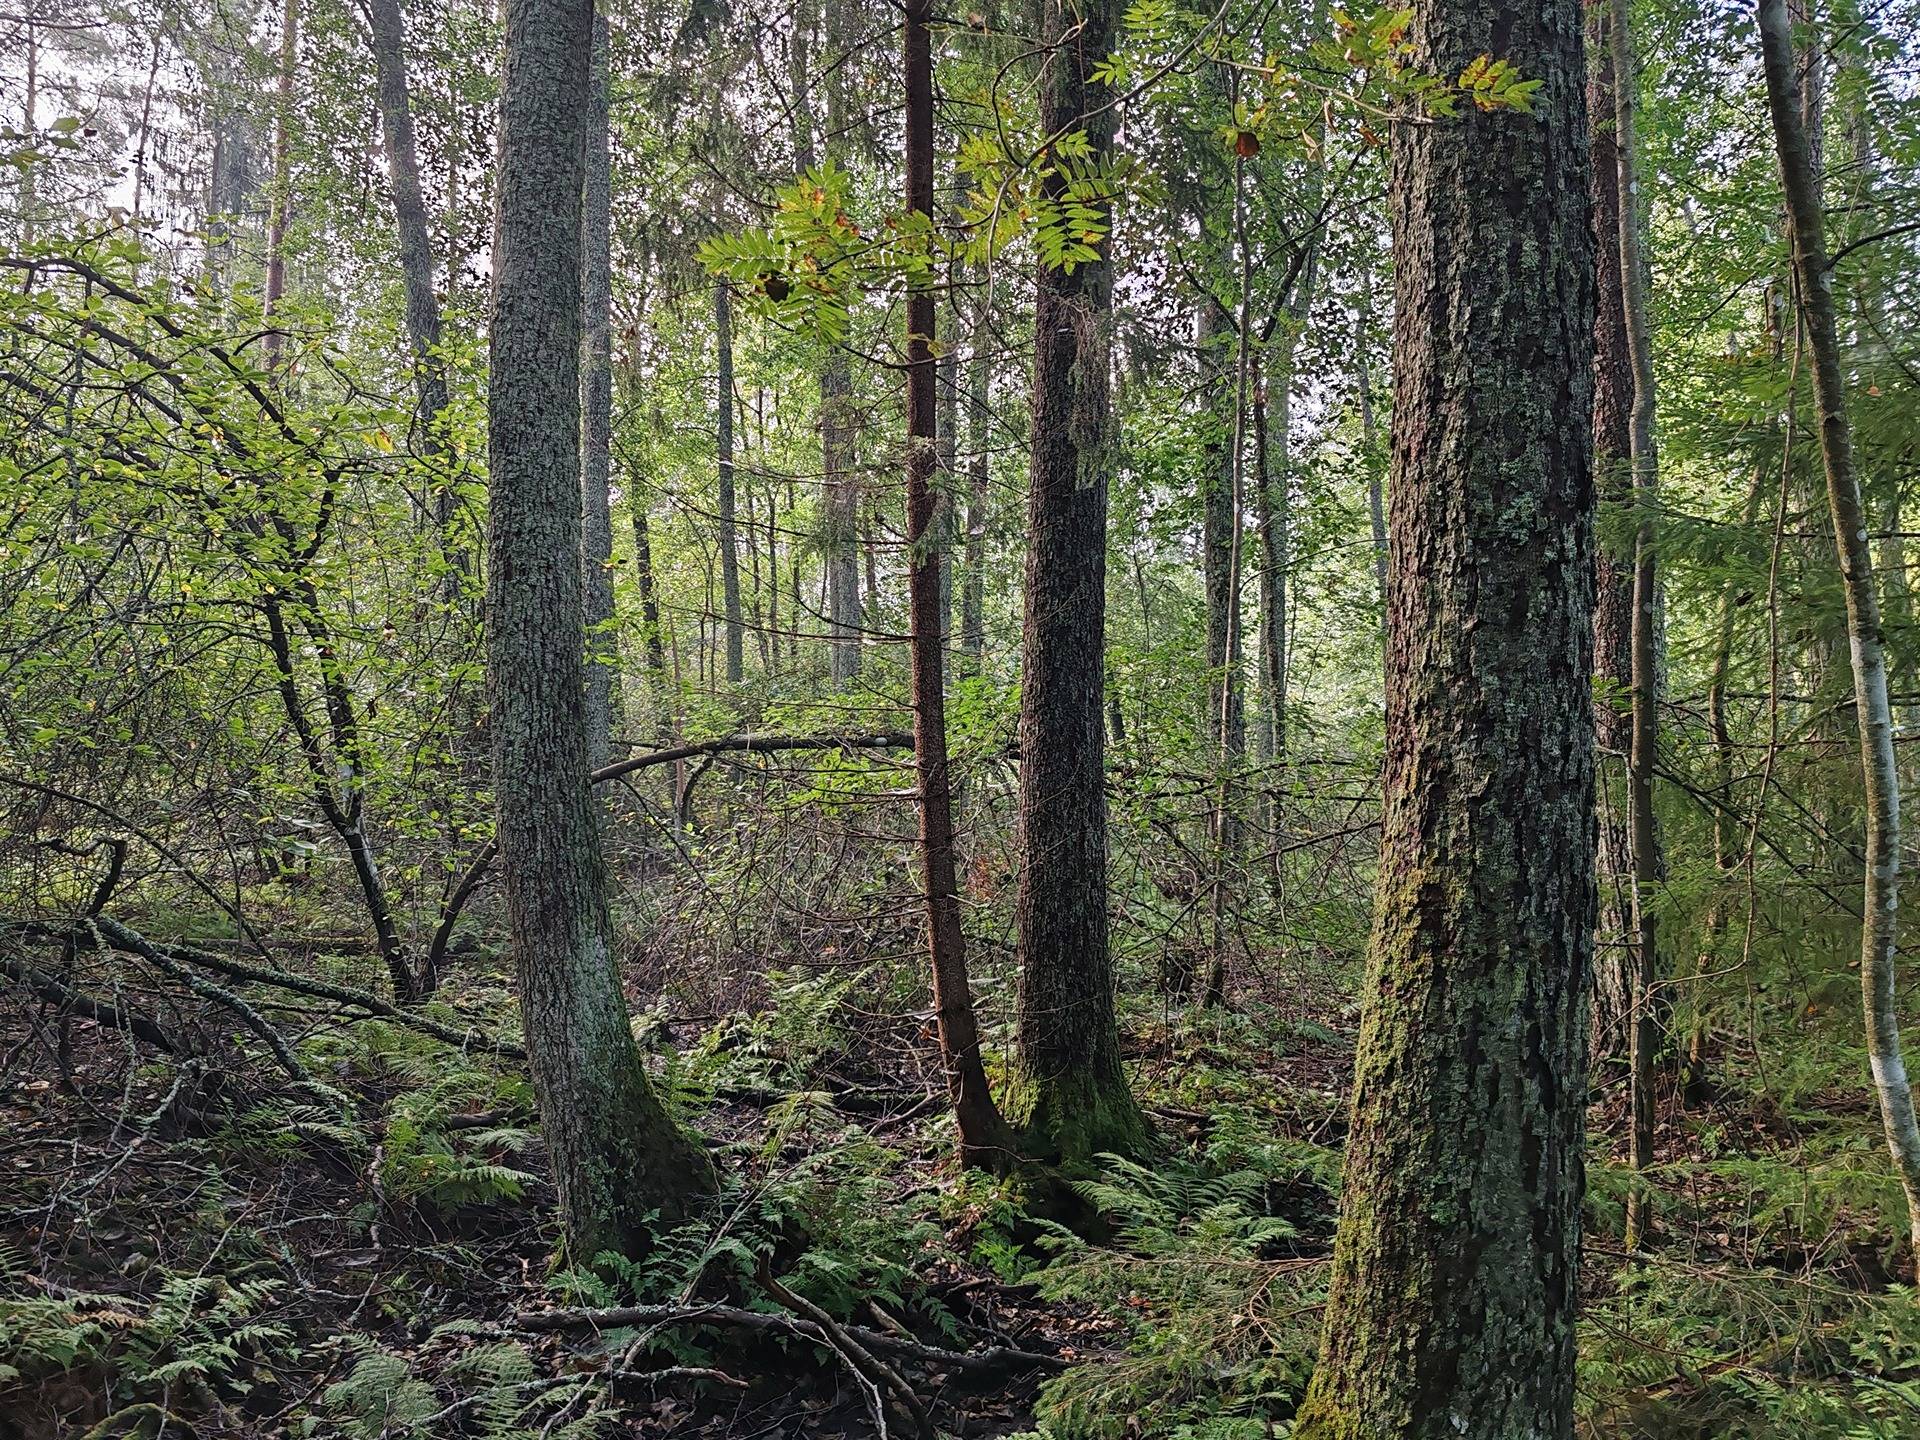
[985, 1138]
[1072, 1091]
[1456, 1267]
[596, 417]
[839, 488]
[1613, 567]
[973, 593]
[1643, 451]
[615, 1153]
[1226, 703]
[736, 632]
[280, 205]
[947, 491]
[1369, 442]
[410, 215]
[1881, 898]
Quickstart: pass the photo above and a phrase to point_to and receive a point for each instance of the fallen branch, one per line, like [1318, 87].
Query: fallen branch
[54, 992]
[876, 1374]
[125, 937]
[995, 1358]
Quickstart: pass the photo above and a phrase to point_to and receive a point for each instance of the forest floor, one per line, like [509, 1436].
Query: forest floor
[232, 1256]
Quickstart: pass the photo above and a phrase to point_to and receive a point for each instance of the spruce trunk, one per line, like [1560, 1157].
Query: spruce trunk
[1456, 1266]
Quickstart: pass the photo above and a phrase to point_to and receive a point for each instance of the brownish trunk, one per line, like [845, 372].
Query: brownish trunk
[985, 1138]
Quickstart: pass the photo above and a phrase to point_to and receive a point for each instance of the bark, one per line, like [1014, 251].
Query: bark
[615, 1153]
[985, 1138]
[839, 487]
[388, 26]
[1456, 1266]
[1376, 500]
[973, 592]
[947, 492]
[1226, 703]
[725, 521]
[1613, 566]
[1071, 1089]
[1644, 454]
[281, 202]
[596, 411]
[1881, 897]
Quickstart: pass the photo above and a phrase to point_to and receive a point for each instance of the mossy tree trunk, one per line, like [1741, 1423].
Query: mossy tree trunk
[1456, 1267]
[615, 1153]
[1071, 1089]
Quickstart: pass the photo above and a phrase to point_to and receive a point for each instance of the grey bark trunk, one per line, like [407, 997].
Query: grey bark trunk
[596, 412]
[615, 1154]
[388, 25]
[1644, 454]
[1613, 569]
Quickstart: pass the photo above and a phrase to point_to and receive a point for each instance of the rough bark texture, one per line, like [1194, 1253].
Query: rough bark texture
[1456, 1267]
[725, 518]
[1072, 1091]
[1879, 933]
[1612, 564]
[596, 410]
[985, 1138]
[615, 1153]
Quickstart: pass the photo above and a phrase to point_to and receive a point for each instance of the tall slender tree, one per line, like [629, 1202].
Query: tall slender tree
[387, 24]
[725, 516]
[615, 1153]
[985, 1138]
[596, 406]
[1456, 1266]
[1813, 285]
[1613, 564]
[1645, 674]
[1070, 1088]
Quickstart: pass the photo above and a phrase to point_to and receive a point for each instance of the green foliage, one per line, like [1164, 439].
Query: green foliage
[1717, 1349]
[1222, 1328]
[488, 1388]
[198, 1333]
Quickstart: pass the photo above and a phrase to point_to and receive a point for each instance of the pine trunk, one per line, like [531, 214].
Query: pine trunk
[1644, 454]
[1613, 568]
